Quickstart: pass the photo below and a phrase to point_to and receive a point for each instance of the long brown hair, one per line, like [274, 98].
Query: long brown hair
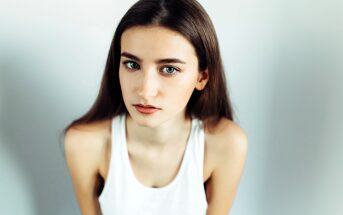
[189, 19]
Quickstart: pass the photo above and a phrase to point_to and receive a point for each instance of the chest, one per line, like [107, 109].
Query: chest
[159, 169]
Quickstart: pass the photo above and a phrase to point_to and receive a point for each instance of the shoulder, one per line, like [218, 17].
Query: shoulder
[84, 146]
[227, 139]
[87, 143]
[227, 145]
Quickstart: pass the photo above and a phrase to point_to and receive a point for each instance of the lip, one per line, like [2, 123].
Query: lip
[146, 109]
[145, 106]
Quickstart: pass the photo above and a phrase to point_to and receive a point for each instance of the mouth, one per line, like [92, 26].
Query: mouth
[146, 106]
[146, 109]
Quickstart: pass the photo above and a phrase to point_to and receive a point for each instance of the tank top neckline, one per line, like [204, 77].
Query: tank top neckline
[131, 173]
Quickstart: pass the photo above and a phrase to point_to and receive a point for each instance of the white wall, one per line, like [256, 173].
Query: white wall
[283, 62]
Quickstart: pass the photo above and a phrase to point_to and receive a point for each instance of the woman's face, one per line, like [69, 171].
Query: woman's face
[158, 67]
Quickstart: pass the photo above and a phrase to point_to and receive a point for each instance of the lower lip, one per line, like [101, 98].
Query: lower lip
[146, 110]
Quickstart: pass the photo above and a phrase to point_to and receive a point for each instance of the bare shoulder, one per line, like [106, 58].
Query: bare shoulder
[84, 146]
[227, 139]
[227, 146]
[231, 137]
[87, 143]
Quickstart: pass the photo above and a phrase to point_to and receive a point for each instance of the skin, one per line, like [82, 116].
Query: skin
[161, 136]
[145, 79]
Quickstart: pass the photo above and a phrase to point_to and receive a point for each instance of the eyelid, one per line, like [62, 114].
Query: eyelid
[129, 61]
[174, 67]
[162, 67]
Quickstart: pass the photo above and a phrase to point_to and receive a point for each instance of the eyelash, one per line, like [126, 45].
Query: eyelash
[125, 63]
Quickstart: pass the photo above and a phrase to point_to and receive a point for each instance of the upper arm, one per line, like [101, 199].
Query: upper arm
[224, 181]
[82, 158]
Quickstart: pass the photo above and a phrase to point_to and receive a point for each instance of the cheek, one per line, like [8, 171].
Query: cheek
[182, 90]
[124, 88]
[123, 80]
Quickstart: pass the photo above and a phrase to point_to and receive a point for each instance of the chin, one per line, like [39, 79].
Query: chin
[145, 120]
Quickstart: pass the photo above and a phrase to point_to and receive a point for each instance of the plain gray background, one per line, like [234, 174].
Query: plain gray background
[283, 62]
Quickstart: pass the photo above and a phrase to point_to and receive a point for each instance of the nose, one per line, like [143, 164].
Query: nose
[148, 84]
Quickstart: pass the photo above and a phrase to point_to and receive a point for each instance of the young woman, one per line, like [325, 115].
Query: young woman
[160, 138]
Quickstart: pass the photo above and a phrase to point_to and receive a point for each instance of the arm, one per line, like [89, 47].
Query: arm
[81, 156]
[222, 186]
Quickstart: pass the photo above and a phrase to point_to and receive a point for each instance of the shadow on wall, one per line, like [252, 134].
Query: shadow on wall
[30, 125]
[299, 148]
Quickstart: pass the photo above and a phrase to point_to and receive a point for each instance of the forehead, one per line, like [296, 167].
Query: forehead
[156, 41]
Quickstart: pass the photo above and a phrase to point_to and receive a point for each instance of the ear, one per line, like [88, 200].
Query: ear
[202, 79]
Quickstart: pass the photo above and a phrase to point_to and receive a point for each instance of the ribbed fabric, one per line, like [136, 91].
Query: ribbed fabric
[123, 194]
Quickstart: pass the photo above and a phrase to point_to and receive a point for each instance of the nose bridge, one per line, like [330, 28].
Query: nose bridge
[148, 84]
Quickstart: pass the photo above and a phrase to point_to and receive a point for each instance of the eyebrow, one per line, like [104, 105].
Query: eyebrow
[159, 61]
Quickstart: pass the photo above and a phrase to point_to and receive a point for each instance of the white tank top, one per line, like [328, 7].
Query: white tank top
[123, 194]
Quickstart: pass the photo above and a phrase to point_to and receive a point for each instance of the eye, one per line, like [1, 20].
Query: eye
[170, 70]
[131, 65]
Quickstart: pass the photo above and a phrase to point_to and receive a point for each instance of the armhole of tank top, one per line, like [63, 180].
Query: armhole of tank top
[109, 171]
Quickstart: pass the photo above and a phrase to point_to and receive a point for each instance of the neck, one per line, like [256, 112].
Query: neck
[171, 133]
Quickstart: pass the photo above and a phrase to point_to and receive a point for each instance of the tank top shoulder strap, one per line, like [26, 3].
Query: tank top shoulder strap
[115, 158]
[198, 147]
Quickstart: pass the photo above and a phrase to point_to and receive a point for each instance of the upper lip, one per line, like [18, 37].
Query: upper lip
[145, 106]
